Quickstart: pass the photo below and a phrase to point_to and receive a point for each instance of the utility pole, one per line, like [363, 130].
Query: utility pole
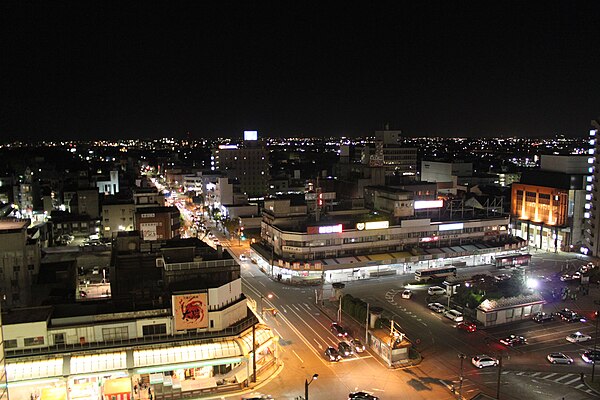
[254, 352]
[460, 384]
[595, 342]
[367, 326]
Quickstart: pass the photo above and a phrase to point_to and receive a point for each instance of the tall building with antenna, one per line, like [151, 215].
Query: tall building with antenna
[591, 245]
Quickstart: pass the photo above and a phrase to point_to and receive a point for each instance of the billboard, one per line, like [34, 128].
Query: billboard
[250, 135]
[325, 229]
[421, 204]
[372, 225]
[190, 311]
[451, 227]
[148, 230]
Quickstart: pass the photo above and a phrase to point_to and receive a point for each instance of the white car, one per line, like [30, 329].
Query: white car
[437, 307]
[483, 360]
[578, 337]
[454, 315]
[407, 294]
[436, 290]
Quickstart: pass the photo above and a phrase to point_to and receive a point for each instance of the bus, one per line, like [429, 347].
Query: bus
[424, 275]
[513, 260]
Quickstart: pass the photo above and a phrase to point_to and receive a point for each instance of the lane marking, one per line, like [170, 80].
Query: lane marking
[572, 381]
[536, 374]
[563, 377]
[301, 360]
[550, 375]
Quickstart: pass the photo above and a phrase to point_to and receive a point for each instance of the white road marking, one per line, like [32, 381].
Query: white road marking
[536, 374]
[549, 376]
[262, 283]
[278, 334]
[572, 381]
[296, 307]
[307, 306]
[563, 377]
[301, 360]
[581, 385]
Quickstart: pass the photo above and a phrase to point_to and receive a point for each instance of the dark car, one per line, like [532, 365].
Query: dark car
[591, 356]
[358, 346]
[362, 396]
[542, 317]
[467, 326]
[338, 330]
[513, 340]
[332, 354]
[344, 349]
[568, 315]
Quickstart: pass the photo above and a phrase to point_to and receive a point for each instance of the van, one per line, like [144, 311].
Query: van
[436, 291]
[454, 315]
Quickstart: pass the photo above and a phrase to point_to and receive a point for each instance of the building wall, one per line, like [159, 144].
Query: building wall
[19, 264]
[117, 217]
[110, 186]
[157, 225]
[571, 164]
[250, 166]
[88, 203]
[540, 204]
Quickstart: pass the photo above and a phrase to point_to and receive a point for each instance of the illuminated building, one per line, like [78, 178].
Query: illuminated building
[191, 336]
[548, 204]
[591, 245]
[348, 244]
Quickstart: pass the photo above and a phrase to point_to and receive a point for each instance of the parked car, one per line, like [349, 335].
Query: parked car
[454, 315]
[483, 360]
[591, 356]
[437, 307]
[357, 345]
[467, 326]
[344, 349]
[559, 358]
[96, 270]
[502, 277]
[513, 340]
[578, 337]
[542, 317]
[407, 294]
[436, 291]
[332, 354]
[361, 396]
[338, 330]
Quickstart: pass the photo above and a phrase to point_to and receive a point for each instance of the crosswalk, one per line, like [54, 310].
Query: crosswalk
[568, 379]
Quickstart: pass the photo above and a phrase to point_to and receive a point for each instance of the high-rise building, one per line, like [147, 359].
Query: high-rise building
[591, 245]
[247, 162]
[3, 387]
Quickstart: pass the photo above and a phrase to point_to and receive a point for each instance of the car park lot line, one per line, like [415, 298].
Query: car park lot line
[572, 380]
[550, 375]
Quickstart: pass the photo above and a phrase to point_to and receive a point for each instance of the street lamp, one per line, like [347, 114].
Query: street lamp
[307, 384]
[460, 383]
[269, 296]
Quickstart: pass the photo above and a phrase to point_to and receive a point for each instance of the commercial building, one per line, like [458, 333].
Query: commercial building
[248, 163]
[197, 336]
[157, 223]
[354, 244]
[548, 205]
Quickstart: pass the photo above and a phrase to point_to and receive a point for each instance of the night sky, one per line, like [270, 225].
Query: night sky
[294, 68]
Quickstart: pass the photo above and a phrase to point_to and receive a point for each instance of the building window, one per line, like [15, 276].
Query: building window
[34, 341]
[109, 334]
[158, 329]
[30, 267]
[10, 344]
[16, 268]
[491, 317]
[59, 338]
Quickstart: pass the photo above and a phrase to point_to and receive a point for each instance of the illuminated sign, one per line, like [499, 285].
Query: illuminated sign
[228, 146]
[429, 239]
[372, 225]
[190, 311]
[421, 204]
[325, 229]
[451, 227]
[250, 135]
[148, 230]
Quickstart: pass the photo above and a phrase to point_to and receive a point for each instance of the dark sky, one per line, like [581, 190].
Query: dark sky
[121, 70]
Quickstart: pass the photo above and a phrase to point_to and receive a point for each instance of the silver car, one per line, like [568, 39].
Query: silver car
[559, 358]
[437, 307]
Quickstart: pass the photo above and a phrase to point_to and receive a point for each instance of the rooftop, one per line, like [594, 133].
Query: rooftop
[13, 225]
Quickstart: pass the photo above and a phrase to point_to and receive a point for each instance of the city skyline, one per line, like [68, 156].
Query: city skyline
[101, 72]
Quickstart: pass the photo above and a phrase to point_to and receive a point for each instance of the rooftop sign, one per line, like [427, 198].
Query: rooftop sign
[372, 225]
[421, 204]
[325, 229]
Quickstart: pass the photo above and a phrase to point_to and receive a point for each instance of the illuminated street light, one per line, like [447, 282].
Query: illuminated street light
[307, 384]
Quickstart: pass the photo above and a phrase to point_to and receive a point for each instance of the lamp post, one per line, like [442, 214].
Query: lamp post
[460, 383]
[269, 296]
[307, 384]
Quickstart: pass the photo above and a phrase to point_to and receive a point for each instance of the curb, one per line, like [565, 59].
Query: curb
[585, 382]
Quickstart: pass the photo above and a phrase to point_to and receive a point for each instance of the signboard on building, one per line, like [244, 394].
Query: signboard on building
[451, 227]
[422, 204]
[148, 230]
[324, 229]
[372, 225]
[190, 311]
